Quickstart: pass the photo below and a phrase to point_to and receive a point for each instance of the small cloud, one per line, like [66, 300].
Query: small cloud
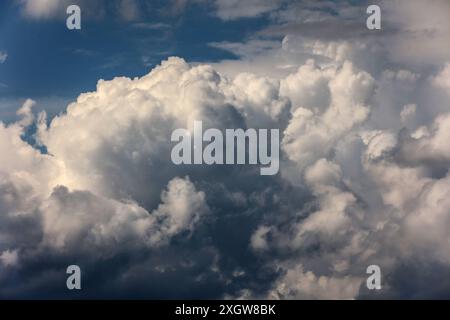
[3, 56]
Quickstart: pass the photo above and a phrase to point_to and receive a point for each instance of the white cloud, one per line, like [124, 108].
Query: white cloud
[340, 107]
[443, 78]
[181, 209]
[298, 284]
[26, 113]
[80, 220]
[119, 194]
[364, 169]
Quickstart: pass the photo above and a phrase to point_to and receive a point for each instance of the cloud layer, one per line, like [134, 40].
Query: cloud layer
[363, 174]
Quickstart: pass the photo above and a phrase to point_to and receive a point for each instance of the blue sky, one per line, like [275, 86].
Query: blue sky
[45, 59]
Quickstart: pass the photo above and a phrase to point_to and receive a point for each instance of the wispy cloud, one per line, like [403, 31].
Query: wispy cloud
[3, 56]
[152, 26]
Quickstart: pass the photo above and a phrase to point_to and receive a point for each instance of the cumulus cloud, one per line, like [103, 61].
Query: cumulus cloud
[75, 219]
[363, 171]
[315, 128]
[370, 169]
[119, 195]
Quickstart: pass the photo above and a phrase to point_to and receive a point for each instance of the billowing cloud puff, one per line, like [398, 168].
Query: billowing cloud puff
[297, 284]
[316, 127]
[73, 218]
[99, 182]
